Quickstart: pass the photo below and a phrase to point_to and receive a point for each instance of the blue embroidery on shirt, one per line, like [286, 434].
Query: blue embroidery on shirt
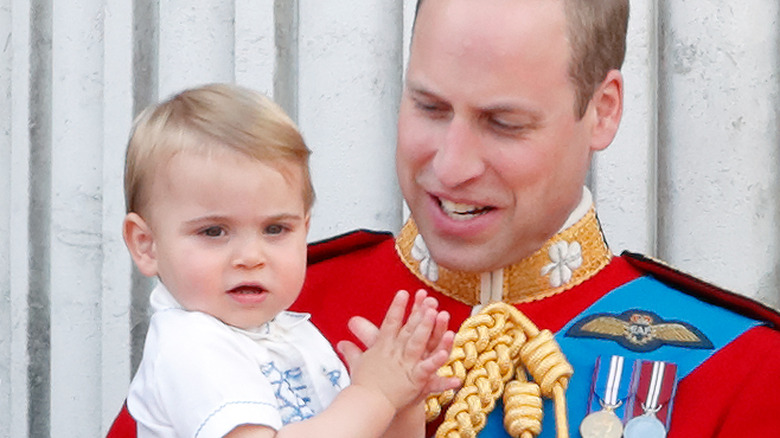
[291, 394]
[334, 377]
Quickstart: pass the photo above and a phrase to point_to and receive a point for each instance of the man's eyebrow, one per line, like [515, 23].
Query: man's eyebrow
[415, 85]
[420, 90]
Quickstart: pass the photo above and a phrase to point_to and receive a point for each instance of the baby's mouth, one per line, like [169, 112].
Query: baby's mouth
[247, 289]
[459, 211]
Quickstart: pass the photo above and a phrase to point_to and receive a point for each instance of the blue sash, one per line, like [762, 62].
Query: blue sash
[645, 294]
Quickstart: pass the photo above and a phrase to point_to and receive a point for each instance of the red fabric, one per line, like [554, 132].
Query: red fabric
[704, 291]
[735, 393]
[124, 425]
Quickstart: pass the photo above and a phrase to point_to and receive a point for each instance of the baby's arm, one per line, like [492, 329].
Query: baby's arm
[397, 369]
[410, 420]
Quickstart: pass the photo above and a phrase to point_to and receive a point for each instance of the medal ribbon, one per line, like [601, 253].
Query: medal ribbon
[656, 384]
[611, 385]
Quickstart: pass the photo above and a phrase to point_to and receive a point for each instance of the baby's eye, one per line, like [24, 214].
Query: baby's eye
[275, 229]
[213, 232]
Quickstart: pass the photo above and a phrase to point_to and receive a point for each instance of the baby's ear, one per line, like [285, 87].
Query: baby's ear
[140, 241]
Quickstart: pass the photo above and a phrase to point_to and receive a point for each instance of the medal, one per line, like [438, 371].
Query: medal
[607, 389]
[656, 386]
[602, 424]
[646, 425]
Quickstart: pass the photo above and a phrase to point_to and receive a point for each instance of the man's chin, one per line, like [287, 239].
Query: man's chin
[467, 258]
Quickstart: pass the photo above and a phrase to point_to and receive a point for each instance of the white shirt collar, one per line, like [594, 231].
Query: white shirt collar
[161, 299]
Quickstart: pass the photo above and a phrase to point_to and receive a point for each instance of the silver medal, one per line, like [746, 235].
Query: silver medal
[645, 426]
[648, 425]
[601, 424]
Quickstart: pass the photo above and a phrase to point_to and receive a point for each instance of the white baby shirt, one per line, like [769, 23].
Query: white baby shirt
[201, 378]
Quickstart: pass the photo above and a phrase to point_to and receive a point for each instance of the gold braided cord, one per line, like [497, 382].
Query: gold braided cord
[492, 353]
[522, 408]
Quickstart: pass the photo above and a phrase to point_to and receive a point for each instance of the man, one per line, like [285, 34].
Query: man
[504, 104]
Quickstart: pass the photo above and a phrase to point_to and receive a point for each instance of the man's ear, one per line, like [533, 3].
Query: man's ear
[607, 102]
[140, 242]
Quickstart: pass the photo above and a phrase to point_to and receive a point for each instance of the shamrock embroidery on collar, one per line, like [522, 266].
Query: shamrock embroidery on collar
[565, 258]
[428, 267]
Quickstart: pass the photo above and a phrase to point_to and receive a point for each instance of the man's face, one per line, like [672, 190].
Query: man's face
[229, 235]
[491, 156]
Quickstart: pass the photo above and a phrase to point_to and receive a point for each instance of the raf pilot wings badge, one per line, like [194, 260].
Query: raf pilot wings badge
[640, 331]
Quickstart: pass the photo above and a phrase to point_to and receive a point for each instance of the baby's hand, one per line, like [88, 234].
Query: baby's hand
[402, 359]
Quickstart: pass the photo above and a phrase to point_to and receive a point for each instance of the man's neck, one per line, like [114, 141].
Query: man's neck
[577, 252]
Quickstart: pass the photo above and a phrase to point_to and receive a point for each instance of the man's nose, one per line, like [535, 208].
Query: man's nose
[459, 155]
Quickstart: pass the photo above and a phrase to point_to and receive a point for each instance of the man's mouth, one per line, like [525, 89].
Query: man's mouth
[461, 212]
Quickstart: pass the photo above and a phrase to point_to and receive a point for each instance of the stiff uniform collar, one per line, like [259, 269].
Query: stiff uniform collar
[576, 253]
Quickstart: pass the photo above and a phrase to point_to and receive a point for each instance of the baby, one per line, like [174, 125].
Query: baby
[218, 199]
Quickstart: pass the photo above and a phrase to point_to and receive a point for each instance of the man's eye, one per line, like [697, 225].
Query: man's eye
[429, 107]
[213, 232]
[504, 125]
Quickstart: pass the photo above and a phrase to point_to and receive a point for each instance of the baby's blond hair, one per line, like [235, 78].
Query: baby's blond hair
[206, 118]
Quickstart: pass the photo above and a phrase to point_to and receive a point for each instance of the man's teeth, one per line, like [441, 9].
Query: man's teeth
[456, 210]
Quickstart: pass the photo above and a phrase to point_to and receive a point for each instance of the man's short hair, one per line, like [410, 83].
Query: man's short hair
[596, 30]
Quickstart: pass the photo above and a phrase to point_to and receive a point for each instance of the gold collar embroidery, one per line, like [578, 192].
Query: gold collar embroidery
[566, 260]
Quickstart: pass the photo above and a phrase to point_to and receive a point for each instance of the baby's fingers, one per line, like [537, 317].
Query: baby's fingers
[435, 342]
[436, 358]
[394, 317]
[351, 353]
[440, 384]
[364, 330]
[420, 327]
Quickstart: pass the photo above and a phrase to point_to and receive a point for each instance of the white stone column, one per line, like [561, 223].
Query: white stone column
[719, 108]
[196, 44]
[350, 64]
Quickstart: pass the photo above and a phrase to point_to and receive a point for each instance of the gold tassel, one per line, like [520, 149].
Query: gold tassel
[492, 353]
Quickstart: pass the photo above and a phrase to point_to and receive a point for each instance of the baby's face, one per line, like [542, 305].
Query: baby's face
[229, 235]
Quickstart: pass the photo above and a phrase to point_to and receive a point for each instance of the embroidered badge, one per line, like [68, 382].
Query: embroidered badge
[428, 267]
[565, 258]
[640, 330]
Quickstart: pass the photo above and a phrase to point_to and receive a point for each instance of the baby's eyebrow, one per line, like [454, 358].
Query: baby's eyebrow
[221, 218]
[206, 219]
